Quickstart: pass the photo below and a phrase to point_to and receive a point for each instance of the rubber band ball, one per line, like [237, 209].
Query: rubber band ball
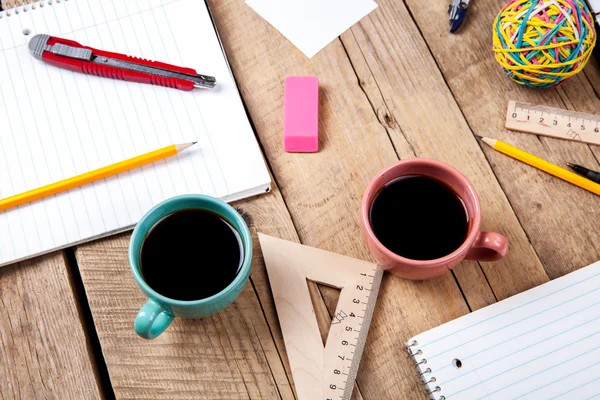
[542, 43]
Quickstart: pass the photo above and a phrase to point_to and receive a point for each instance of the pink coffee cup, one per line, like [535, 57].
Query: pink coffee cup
[480, 246]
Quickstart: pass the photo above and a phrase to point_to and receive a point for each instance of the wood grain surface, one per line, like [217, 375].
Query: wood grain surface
[43, 349]
[396, 85]
[323, 191]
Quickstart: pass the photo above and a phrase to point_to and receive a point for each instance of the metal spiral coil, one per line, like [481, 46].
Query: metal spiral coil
[26, 6]
[424, 374]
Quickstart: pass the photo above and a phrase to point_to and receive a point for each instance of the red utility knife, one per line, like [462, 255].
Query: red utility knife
[71, 55]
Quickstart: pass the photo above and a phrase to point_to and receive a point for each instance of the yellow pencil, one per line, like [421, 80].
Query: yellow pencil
[543, 165]
[91, 176]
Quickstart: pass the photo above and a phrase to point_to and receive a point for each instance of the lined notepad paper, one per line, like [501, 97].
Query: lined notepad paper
[55, 123]
[540, 344]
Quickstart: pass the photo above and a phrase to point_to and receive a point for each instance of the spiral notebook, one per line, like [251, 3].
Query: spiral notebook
[541, 344]
[55, 123]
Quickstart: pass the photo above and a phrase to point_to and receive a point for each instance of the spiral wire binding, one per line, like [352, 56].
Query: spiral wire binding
[25, 6]
[424, 372]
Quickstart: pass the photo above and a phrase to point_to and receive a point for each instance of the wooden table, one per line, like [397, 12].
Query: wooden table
[396, 85]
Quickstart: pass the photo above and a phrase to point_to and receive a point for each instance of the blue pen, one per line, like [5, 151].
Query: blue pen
[458, 12]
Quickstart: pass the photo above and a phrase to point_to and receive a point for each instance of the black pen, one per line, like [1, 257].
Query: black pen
[587, 173]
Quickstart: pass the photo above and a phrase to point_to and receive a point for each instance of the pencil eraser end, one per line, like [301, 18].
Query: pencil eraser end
[301, 114]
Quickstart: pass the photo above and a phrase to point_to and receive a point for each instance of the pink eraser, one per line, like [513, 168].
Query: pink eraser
[301, 114]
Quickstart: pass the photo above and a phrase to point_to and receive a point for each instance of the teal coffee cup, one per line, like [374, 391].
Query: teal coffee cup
[158, 313]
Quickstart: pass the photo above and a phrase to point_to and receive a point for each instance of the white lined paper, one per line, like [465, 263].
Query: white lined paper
[540, 344]
[55, 123]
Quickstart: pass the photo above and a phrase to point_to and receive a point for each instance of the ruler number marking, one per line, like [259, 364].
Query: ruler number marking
[352, 332]
[562, 123]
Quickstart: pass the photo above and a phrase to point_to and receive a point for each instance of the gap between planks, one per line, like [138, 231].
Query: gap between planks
[87, 322]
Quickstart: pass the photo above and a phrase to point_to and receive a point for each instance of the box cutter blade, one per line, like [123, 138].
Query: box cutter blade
[73, 56]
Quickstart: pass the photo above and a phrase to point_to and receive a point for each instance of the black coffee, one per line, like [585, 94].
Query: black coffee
[419, 218]
[191, 254]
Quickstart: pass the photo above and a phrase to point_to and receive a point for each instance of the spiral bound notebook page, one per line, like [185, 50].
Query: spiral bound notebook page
[540, 344]
[55, 124]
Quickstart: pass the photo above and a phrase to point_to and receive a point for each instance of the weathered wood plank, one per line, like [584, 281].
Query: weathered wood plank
[323, 190]
[43, 350]
[559, 219]
[474, 285]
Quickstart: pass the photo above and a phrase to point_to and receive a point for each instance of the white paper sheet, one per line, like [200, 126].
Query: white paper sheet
[55, 123]
[540, 344]
[312, 24]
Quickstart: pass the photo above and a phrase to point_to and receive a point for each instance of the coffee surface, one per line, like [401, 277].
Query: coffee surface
[419, 218]
[191, 255]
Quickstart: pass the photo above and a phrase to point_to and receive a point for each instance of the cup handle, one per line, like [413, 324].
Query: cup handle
[488, 246]
[152, 319]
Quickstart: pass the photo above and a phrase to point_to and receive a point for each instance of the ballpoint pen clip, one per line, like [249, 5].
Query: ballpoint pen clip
[458, 12]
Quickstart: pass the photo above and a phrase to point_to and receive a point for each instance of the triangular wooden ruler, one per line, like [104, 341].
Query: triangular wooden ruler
[321, 372]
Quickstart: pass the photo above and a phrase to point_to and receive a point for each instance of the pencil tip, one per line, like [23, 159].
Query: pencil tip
[479, 137]
[184, 146]
[570, 165]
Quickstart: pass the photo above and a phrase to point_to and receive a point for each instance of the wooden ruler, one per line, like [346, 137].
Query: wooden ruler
[554, 122]
[321, 372]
